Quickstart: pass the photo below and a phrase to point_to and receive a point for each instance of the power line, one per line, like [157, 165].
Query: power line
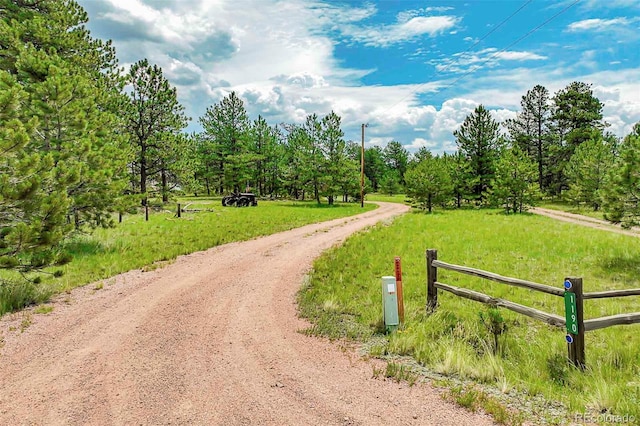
[494, 29]
[497, 26]
[476, 67]
[496, 54]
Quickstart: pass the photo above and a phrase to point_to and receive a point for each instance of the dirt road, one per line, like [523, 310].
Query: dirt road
[211, 339]
[585, 221]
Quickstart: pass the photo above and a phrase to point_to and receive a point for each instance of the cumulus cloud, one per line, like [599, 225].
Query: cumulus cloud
[279, 57]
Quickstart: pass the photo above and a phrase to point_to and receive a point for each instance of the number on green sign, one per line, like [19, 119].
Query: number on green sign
[571, 312]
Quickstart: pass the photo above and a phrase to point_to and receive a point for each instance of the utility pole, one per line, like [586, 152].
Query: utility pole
[362, 168]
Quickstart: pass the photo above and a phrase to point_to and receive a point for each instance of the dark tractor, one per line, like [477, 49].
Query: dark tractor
[242, 199]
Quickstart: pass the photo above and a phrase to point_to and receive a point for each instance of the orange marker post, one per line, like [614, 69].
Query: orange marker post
[398, 268]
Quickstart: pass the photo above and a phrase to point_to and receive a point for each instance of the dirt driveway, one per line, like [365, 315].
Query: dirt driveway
[585, 221]
[211, 339]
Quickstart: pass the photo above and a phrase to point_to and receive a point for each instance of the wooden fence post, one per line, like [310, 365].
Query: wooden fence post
[119, 217]
[398, 270]
[576, 340]
[179, 210]
[146, 212]
[432, 277]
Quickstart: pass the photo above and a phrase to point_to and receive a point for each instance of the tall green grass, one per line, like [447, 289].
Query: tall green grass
[136, 243]
[396, 198]
[343, 298]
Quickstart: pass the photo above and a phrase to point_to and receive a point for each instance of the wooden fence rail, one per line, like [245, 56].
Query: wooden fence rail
[573, 294]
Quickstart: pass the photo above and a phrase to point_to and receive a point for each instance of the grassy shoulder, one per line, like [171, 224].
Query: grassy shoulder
[343, 299]
[136, 243]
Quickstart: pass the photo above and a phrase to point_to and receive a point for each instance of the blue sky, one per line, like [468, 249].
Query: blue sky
[412, 70]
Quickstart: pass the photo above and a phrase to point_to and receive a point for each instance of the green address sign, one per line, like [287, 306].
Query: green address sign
[571, 312]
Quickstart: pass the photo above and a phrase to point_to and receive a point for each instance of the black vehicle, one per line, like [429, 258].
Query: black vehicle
[242, 199]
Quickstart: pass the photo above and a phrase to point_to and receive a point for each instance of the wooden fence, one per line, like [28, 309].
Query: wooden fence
[575, 335]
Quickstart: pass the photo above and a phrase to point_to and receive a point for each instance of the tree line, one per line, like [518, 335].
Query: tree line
[556, 147]
[81, 139]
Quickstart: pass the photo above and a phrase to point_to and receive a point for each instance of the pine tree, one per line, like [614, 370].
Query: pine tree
[311, 154]
[429, 183]
[153, 118]
[621, 198]
[71, 82]
[337, 167]
[226, 130]
[478, 141]
[263, 145]
[515, 186]
[397, 158]
[463, 179]
[295, 172]
[33, 196]
[576, 117]
[374, 166]
[530, 129]
[587, 171]
[390, 183]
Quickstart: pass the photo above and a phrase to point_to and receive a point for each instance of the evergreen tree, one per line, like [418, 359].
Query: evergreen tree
[622, 194]
[296, 171]
[478, 141]
[587, 171]
[374, 166]
[72, 87]
[311, 154]
[463, 179]
[576, 118]
[397, 158]
[176, 162]
[154, 117]
[227, 132]
[337, 167]
[33, 196]
[390, 183]
[530, 129]
[429, 183]
[264, 141]
[515, 186]
[422, 154]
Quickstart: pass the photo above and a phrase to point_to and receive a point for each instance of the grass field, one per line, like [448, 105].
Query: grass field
[136, 244]
[343, 299]
[397, 198]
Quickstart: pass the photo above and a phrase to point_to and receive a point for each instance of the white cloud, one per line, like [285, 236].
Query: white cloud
[489, 57]
[402, 31]
[598, 24]
[279, 56]
[514, 55]
[610, 4]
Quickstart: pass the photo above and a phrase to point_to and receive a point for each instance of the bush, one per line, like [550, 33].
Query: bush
[18, 293]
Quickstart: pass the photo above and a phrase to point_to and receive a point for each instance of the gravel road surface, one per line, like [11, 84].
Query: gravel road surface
[211, 339]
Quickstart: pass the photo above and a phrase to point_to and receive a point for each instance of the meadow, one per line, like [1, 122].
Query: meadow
[136, 243]
[343, 300]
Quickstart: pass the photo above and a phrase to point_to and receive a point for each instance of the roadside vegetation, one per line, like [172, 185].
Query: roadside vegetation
[502, 351]
[136, 243]
[82, 141]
